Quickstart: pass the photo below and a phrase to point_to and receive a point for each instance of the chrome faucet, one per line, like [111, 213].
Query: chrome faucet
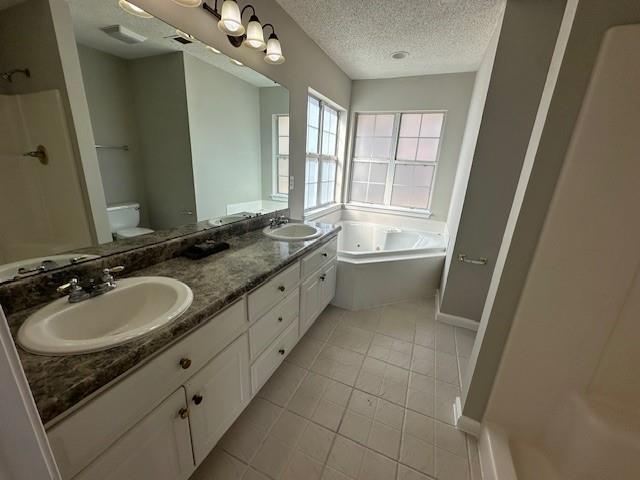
[278, 221]
[78, 293]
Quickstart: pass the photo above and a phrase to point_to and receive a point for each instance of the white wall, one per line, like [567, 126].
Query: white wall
[107, 82]
[581, 297]
[306, 66]
[224, 128]
[526, 43]
[468, 147]
[273, 101]
[163, 122]
[450, 92]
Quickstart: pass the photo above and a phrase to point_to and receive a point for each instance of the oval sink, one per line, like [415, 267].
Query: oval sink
[293, 232]
[136, 307]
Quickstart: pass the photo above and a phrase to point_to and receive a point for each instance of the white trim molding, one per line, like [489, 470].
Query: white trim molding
[454, 320]
[466, 424]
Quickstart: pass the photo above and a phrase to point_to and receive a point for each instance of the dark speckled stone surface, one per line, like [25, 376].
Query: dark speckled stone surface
[60, 383]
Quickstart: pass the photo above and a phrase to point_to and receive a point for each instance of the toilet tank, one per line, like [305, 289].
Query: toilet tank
[123, 215]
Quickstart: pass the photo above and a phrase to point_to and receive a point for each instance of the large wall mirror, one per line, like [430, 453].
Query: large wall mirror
[183, 134]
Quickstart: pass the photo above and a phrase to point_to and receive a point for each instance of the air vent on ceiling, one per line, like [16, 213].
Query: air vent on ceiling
[123, 34]
[182, 40]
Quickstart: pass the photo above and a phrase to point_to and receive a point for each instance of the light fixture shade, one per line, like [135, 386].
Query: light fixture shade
[133, 9]
[230, 21]
[255, 37]
[274, 51]
[188, 3]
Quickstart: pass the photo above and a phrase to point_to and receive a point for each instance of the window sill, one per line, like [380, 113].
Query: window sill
[324, 210]
[280, 197]
[407, 212]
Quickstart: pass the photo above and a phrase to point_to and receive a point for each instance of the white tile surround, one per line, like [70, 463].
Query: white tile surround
[365, 395]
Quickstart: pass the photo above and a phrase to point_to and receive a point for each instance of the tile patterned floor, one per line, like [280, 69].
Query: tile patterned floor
[365, 395]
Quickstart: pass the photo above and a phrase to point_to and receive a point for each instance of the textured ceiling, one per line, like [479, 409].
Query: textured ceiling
[89, 16]
[441, 36]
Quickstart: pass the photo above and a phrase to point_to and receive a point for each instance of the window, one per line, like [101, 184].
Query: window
[281, 155]
[395, 157]
[322, 156]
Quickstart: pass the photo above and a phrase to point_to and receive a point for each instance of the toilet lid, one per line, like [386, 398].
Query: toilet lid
[133, 232]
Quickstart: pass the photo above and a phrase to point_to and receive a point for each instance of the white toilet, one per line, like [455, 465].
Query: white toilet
[124, 219]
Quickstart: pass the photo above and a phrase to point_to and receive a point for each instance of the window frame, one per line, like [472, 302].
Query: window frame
[320, 157]
[391, 172]
[275, 194]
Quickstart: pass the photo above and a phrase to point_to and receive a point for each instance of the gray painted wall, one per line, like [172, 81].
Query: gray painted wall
[163, 122]
[527, 40]
[306, 66]
[450, 92]
[107, 82]
[224, 127]
[273, 101]
[592, 20]
[468, 148]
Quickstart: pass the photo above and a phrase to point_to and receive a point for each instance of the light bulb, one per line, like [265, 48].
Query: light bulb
[133, 9]
[230, 21]
[274, 51]
[255, 37]
[188, 3]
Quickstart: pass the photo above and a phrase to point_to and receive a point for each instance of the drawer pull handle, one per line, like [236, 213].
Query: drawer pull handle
[280, 319]
[185, 363]
[183, 413]
[324, 254]
[281, 288]
[197, 399]
[281, 351]
[323, 277]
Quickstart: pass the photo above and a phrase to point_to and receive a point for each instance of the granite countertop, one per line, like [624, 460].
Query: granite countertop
[59, 383]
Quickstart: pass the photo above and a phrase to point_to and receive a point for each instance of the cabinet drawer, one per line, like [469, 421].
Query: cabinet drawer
[265, 297]
[273, 356]
[322, 255]
[270, 325]
[86, 433]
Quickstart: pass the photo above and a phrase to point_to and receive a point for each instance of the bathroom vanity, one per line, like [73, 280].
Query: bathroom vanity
[155, 407]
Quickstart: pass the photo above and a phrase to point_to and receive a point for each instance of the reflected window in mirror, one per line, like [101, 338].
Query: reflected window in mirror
[281, 158]
[322, 154]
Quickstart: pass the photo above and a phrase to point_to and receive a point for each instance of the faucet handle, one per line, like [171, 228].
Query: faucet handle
[69, 287]
[107, 273]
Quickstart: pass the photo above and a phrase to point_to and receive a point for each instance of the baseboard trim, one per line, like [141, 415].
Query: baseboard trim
[466, 424]
[453, 319]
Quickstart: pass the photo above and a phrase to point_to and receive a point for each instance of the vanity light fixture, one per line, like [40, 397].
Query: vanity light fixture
[230, 22]
[274, 49]
[188, 3]
[231, 19]
[132, 9]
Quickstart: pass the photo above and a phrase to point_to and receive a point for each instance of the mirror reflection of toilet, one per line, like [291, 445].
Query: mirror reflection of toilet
[124, 219]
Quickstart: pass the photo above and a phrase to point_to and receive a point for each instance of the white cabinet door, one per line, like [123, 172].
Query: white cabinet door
[328, 285]
[217, 394]
[309, 302]
[157, 447]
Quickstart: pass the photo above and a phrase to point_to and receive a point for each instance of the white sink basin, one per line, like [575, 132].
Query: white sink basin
[293, 232]
[135, 308]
